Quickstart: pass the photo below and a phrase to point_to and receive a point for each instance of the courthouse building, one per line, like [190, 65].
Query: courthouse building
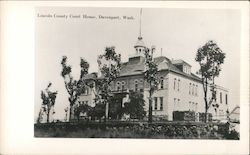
[179, 89]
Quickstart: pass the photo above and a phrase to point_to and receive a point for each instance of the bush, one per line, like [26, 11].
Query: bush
[202, 117]
[183, 115]
[167, 130]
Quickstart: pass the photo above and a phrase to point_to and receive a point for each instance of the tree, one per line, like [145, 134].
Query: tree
[48, 101]
[66, 113]
[81, 108]
[109, 65]
[40, 114]
[98, 111]
[210, 58]
[74, 87]
[135, 107]
[150, 76]
[115, 106]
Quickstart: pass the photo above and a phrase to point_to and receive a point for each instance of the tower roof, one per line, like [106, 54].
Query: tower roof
[139, 42]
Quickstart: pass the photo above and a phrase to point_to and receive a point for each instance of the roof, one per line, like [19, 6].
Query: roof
[139, 43]
[234, 115]
[179, 61]
[136, 66]
[90, 76]
[236, 110]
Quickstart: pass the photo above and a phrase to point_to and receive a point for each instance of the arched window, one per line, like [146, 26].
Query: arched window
[220, 97]
[161, 103]
[161, 83]
[179, 81]
[190, 85]
[193, 90]
[193, 106]
[136, 85]
[85, 91]
[174, 83]
[123, 85]
[118, 87]
[156, 104]
[189, 106]
[196, 90]
[226, 98]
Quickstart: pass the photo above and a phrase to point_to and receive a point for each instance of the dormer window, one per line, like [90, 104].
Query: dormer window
[182, 66]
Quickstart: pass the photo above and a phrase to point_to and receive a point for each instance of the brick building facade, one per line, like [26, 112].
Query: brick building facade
[179, 89]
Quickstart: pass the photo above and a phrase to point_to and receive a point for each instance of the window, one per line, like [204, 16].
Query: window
[196, 90]
[166, 83]
[136, 85]
[118, 86]
[85, 91]
[174, 104]
[220, 97]
[179, 84]
[193, 90]
[161, 83]
[156, 103]
[226, 98]
[123, 85]
[161, 103]
[215, 92]
[189, 105]
[190, 85]
[193, 106]
[174, 82]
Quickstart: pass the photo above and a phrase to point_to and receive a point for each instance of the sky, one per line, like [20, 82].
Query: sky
[178, 32]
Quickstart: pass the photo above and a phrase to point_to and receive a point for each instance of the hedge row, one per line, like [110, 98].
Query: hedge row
[137, 130]
[190, 116]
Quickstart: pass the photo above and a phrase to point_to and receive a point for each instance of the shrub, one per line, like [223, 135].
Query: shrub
[202, 117]
[180, 130]
[183, 115]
